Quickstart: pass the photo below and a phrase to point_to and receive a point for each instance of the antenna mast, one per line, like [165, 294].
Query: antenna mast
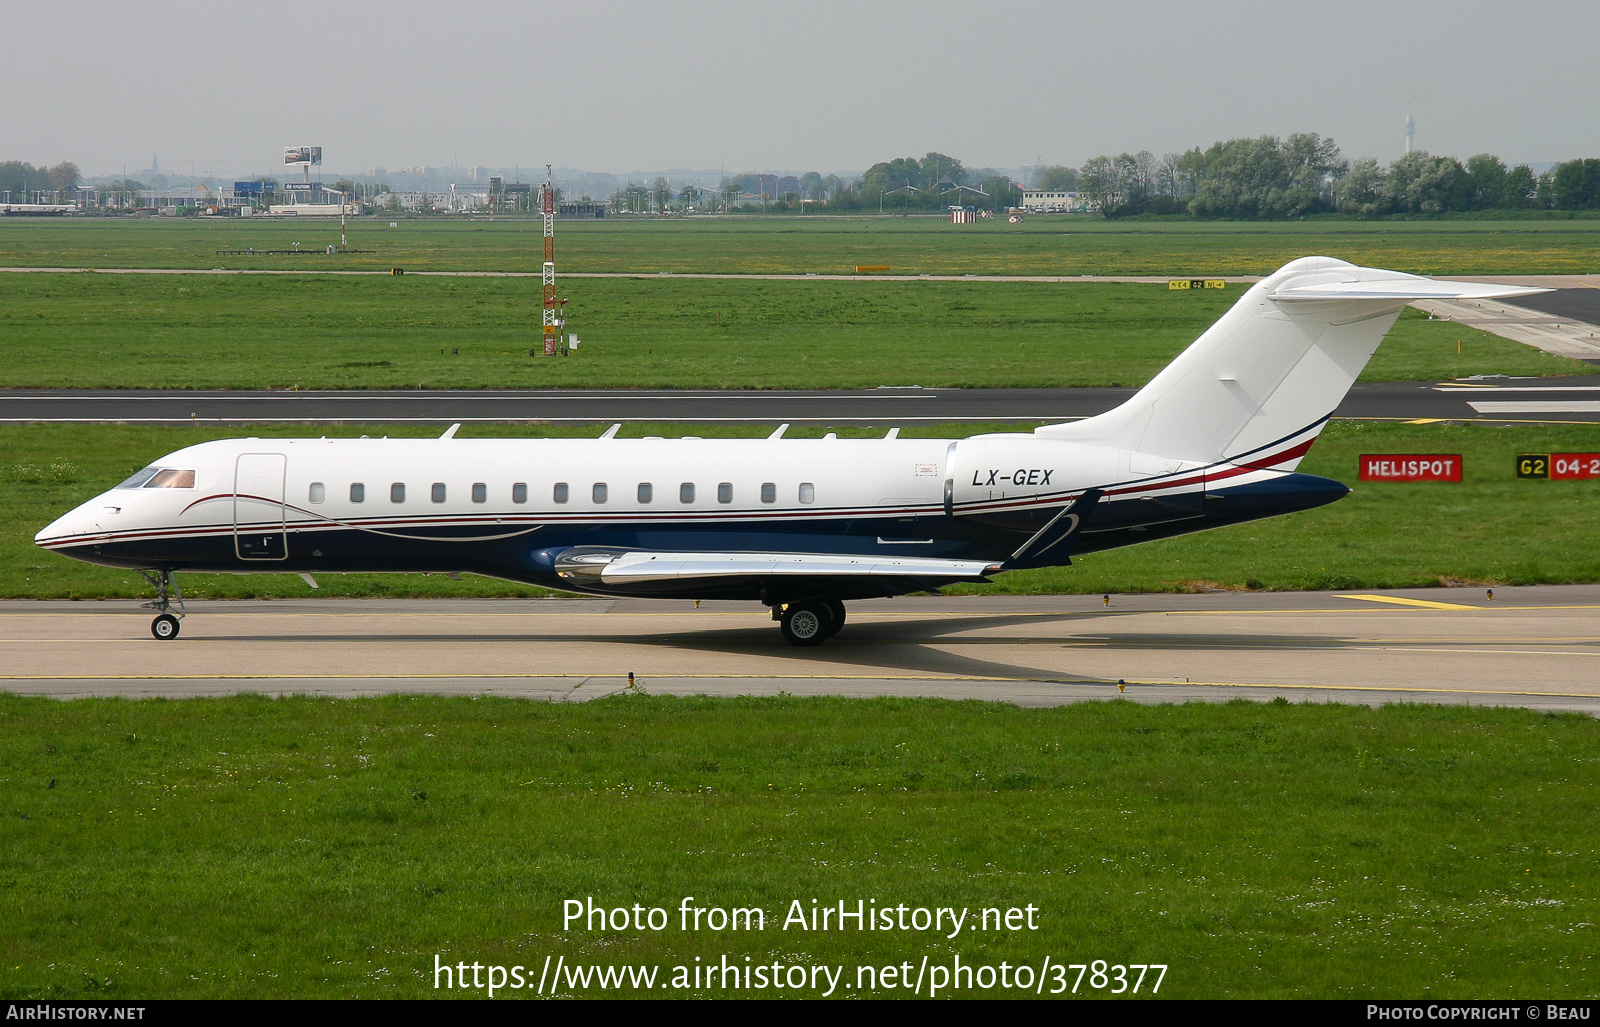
[552, 310]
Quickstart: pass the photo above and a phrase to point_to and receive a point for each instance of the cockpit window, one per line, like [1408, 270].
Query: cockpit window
[139, 478]
[170, 478]
[160, 478]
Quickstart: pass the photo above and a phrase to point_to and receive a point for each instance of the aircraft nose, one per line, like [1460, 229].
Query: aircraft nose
[79, 521]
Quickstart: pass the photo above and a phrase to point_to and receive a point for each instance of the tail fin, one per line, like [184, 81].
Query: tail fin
[1272, 369]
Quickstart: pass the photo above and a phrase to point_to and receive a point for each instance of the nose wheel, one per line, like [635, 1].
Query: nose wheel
[167, 600]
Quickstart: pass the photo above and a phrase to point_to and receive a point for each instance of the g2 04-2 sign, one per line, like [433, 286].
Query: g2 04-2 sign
[1558, 466]
[1411, 467]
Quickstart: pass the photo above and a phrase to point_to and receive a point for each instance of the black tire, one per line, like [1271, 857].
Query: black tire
[164, 627]
[807, 623]
[836, 611]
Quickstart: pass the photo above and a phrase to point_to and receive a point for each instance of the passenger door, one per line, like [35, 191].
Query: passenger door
[258, 511]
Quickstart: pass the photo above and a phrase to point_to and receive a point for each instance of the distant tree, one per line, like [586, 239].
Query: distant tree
[392, 203]
[1098, 178]
[1361, 191]
[1544, 194]
[1576, 185]
[64, 176]
[938, 166]
[661, 192]
[689, 195]
[1057, 179]
[1487, 177]
[811, 186]
[731, 191]
[1519, 188]
[1002, 192]
[1421, 183]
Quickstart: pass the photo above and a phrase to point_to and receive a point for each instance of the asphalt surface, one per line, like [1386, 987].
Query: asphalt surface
[1577, 304]
[1535, 399]
[1533, 647]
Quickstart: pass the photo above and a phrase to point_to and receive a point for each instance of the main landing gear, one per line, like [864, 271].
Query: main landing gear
[809, 621]
[165, 626]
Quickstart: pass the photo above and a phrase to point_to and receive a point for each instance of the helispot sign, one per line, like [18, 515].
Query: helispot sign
[1411, 467]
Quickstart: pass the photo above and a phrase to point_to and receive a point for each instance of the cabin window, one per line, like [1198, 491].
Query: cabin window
[397, 492]
[686, 492]
[170, 478]
[598, 493]
[561, 492]
[808, 492]
[647, 492]
[358, 492]
[769, 492]
[519, 492]
[480, 492]
[725, 492]
[438, 492]
[318, 493]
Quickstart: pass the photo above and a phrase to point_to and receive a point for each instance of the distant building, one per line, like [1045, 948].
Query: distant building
[581, 209]
[1050, 201]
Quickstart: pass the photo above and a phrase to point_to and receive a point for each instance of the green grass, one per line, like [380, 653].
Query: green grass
[1061, 245]
[1490, 529]
[161, 331]
[246, 847]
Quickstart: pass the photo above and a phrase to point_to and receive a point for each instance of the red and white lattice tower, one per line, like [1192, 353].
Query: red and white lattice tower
[552, 309]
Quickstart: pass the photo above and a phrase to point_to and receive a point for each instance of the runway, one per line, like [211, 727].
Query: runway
[1499, 400]
[1536, 647]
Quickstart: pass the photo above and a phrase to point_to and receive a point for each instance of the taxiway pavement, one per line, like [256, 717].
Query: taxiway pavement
[1535, 647]
[1497, 400]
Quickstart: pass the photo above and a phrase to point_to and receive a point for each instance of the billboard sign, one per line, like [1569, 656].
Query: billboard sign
[1411, 467]
[301, 187]
[302, 155]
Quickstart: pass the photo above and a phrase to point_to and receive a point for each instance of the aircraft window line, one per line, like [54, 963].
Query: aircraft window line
[358, 492]
[397, 492]
[647, 492]
[808, 492]
[769, 492]
[686, 492]
[318, 492]
[480, 492]
[561, 492]
[598, 493]
[170, 478]
[519, 492]
[138, 478]
[725, 492]
[437, 493]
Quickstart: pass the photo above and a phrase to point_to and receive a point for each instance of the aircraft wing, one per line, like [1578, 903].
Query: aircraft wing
[1409, 288]
[620, 566]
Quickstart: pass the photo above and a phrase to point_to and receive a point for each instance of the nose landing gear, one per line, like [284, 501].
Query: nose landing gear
[165, 625]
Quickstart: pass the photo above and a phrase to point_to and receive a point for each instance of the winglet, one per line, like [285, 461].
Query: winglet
[450, 432]
[778, 432]
[611, 432]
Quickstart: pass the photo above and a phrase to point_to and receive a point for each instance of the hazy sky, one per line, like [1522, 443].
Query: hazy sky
[814, 85]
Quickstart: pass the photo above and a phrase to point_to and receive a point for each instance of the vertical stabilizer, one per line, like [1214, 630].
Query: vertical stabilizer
[1270, 370]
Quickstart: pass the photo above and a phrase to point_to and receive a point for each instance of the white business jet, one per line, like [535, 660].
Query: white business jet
[799, 525]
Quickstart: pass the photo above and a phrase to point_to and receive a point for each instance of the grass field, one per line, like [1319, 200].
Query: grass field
[246, 847]
[1050, 245]
[322, 331]
[1489, 529]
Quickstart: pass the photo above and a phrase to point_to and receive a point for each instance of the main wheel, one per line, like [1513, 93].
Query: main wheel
[164, 627]
[836, 611]
[806, 623]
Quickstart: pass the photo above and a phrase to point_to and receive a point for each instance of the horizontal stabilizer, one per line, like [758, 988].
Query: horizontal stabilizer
[617, 566]
[1406, 289]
